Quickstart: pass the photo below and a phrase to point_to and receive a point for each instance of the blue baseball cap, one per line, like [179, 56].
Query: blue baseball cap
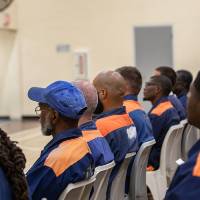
[62, 96]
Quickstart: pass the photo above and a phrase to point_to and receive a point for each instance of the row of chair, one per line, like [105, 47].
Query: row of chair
[99, 181]
[178, 141]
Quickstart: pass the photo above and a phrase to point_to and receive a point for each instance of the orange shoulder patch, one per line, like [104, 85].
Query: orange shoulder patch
[91, 135]
[132, 105]
[161, 108]
[66, 154]
[108, 124]
[196, 170]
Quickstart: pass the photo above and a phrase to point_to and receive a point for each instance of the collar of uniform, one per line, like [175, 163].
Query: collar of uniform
[131, 97]
[64, 135]
[116, 111]
[162, 99]
[90, 125]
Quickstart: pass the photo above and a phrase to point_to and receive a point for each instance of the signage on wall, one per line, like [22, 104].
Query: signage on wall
[6, 20]
[63, 48]
[81, 64]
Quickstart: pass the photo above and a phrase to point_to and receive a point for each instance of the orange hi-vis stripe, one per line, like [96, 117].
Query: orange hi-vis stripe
[132, 105]
[161, 108]
[91, 135]
[108, 124]
[66, 154]
[196, 170]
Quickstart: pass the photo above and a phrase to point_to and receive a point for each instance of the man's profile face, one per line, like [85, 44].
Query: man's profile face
[46, 125]
[150, 90]
[156, 73]
[193, 107]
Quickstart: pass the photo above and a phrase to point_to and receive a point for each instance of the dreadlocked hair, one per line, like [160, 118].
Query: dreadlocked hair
[12, 161]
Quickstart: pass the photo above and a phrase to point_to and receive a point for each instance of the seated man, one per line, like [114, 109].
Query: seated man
[141, 120]
[162, 114]
[99, 147]
[171, 74]
[185, 184]
[113, 121]
[66, 158]
[182, 86]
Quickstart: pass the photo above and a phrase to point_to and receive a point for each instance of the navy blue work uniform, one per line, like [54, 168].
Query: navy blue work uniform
[186, 182]
[178, 106]
[142, 124]
[99, 147]
[5, 188]
[120, 132]
[65, 159]
[183, 99]
[162, 116]
[140, 118]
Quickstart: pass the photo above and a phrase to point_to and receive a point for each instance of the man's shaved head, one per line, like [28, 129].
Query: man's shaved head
[111, 88]
[90, 94]
[112, 81]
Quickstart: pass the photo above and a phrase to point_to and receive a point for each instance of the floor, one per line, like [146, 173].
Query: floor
[28, 135]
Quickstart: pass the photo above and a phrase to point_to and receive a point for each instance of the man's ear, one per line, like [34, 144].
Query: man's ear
[158, 89]
[55, 117]
[104, 94]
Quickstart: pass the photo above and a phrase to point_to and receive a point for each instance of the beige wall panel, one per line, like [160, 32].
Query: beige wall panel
[103, 27]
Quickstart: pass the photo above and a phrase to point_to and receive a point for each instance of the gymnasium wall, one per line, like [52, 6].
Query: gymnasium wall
[49, 33]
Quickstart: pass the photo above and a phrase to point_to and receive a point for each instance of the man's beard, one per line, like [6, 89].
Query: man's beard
[47, 128]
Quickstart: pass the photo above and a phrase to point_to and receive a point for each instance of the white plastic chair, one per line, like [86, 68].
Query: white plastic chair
[184, 122]
[137, 189]
[158, 180]
[118, 184]
[78, 191]
[100, 185]
[190, 136]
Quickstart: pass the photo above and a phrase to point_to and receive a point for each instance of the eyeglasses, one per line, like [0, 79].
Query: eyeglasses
[38, 110]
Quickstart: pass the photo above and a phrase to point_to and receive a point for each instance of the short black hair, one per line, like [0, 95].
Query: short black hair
[133, 76]
[163, 82]
[185, 77]
[197, 82]
[169, 72]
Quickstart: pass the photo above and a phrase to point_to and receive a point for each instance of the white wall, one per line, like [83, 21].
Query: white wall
[103, 27]
[9, 79]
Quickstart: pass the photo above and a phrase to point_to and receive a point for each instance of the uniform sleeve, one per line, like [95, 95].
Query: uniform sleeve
[143, 126]
[178, 106]
[101, 151]
[44, 183]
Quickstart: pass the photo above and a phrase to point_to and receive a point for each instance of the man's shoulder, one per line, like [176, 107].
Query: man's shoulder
[66, 154]
[132, 105]
[113, 122]
[162, 108]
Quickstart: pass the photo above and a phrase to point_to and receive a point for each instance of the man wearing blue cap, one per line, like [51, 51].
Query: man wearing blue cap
[66, 158]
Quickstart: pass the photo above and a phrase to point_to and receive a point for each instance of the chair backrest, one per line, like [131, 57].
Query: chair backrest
[171, 152]
[138, 189]
[190, 136]
[184, 122]
[100, 185]
[78, 191]
[118, 184]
